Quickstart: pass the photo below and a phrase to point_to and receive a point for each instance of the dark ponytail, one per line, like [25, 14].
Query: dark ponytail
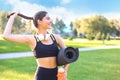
[21, 15]
[38, 16]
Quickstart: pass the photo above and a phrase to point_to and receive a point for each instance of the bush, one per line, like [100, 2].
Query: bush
[98, 36]
[117, 38]
[90, 37]
[71, 38]
[108, 37]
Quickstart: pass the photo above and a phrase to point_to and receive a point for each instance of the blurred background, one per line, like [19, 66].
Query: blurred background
[91, 19]
[84, 24]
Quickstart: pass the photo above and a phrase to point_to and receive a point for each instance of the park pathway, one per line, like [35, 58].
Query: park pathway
[26, 54]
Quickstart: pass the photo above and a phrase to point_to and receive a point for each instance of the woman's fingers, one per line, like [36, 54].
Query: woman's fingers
[15, 14]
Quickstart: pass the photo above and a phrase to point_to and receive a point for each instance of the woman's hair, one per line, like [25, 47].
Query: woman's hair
[38, 16]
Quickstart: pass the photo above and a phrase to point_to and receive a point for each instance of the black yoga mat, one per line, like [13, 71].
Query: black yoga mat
[67, 55]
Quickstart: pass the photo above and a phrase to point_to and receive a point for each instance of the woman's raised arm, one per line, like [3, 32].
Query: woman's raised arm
[14, 38]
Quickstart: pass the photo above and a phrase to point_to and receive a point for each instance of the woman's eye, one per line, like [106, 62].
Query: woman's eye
[48, 18]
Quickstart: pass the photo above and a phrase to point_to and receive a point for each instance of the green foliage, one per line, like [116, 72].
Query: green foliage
[71, 25]
[17, 25]
[75, 33]
[90, 37]
[95, 24]
[103, 36]
[65, 37]
[115, 26]
[3, 20]
[108, 37]
[117, 38]
[58, 26]
[98, 36]
[71, 38]
[68, 37]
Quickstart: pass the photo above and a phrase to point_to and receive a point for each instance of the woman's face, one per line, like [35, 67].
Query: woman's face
[46, 22]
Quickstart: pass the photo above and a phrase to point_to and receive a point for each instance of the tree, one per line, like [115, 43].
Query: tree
[3, 20]
[99, 24]
[71, 25]
[92, 26]
[60, 25]
[54, 27]
[74, 32]
[17, 26]
[76, 27]
[115, 27]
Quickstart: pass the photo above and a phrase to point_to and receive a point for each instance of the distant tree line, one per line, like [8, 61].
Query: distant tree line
[96, 27]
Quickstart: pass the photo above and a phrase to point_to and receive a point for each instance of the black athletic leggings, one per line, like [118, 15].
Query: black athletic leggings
[46, 73]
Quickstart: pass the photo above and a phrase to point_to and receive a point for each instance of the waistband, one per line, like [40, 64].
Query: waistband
[47, 68]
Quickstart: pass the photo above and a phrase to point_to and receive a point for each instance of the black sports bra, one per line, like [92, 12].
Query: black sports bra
[41, 50]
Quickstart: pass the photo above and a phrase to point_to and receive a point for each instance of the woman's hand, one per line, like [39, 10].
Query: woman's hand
[62, 74]
[14, 14]
[65, 75]
[65, 71]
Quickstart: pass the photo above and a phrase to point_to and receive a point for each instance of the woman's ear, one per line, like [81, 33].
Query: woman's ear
[39, 21]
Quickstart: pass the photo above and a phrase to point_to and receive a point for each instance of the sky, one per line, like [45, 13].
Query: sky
[67, 10]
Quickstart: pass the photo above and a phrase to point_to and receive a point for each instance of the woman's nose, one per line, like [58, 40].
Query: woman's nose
[51, 20]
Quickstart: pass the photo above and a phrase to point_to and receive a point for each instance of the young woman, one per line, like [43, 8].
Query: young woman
[43, 44]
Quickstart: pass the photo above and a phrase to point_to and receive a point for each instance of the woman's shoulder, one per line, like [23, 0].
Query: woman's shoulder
[57, 36]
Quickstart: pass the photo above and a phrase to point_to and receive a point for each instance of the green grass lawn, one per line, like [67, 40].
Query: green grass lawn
[91, 65]
[6, 46]
[17, 69]
[96, 65]
[90, 43]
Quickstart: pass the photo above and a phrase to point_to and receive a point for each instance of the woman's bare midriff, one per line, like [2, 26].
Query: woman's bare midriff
[47, 62]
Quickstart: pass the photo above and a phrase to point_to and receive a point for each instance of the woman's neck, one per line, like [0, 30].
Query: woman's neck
[42, 32]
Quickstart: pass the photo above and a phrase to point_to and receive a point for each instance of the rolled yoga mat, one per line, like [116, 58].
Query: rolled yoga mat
[67, 55]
